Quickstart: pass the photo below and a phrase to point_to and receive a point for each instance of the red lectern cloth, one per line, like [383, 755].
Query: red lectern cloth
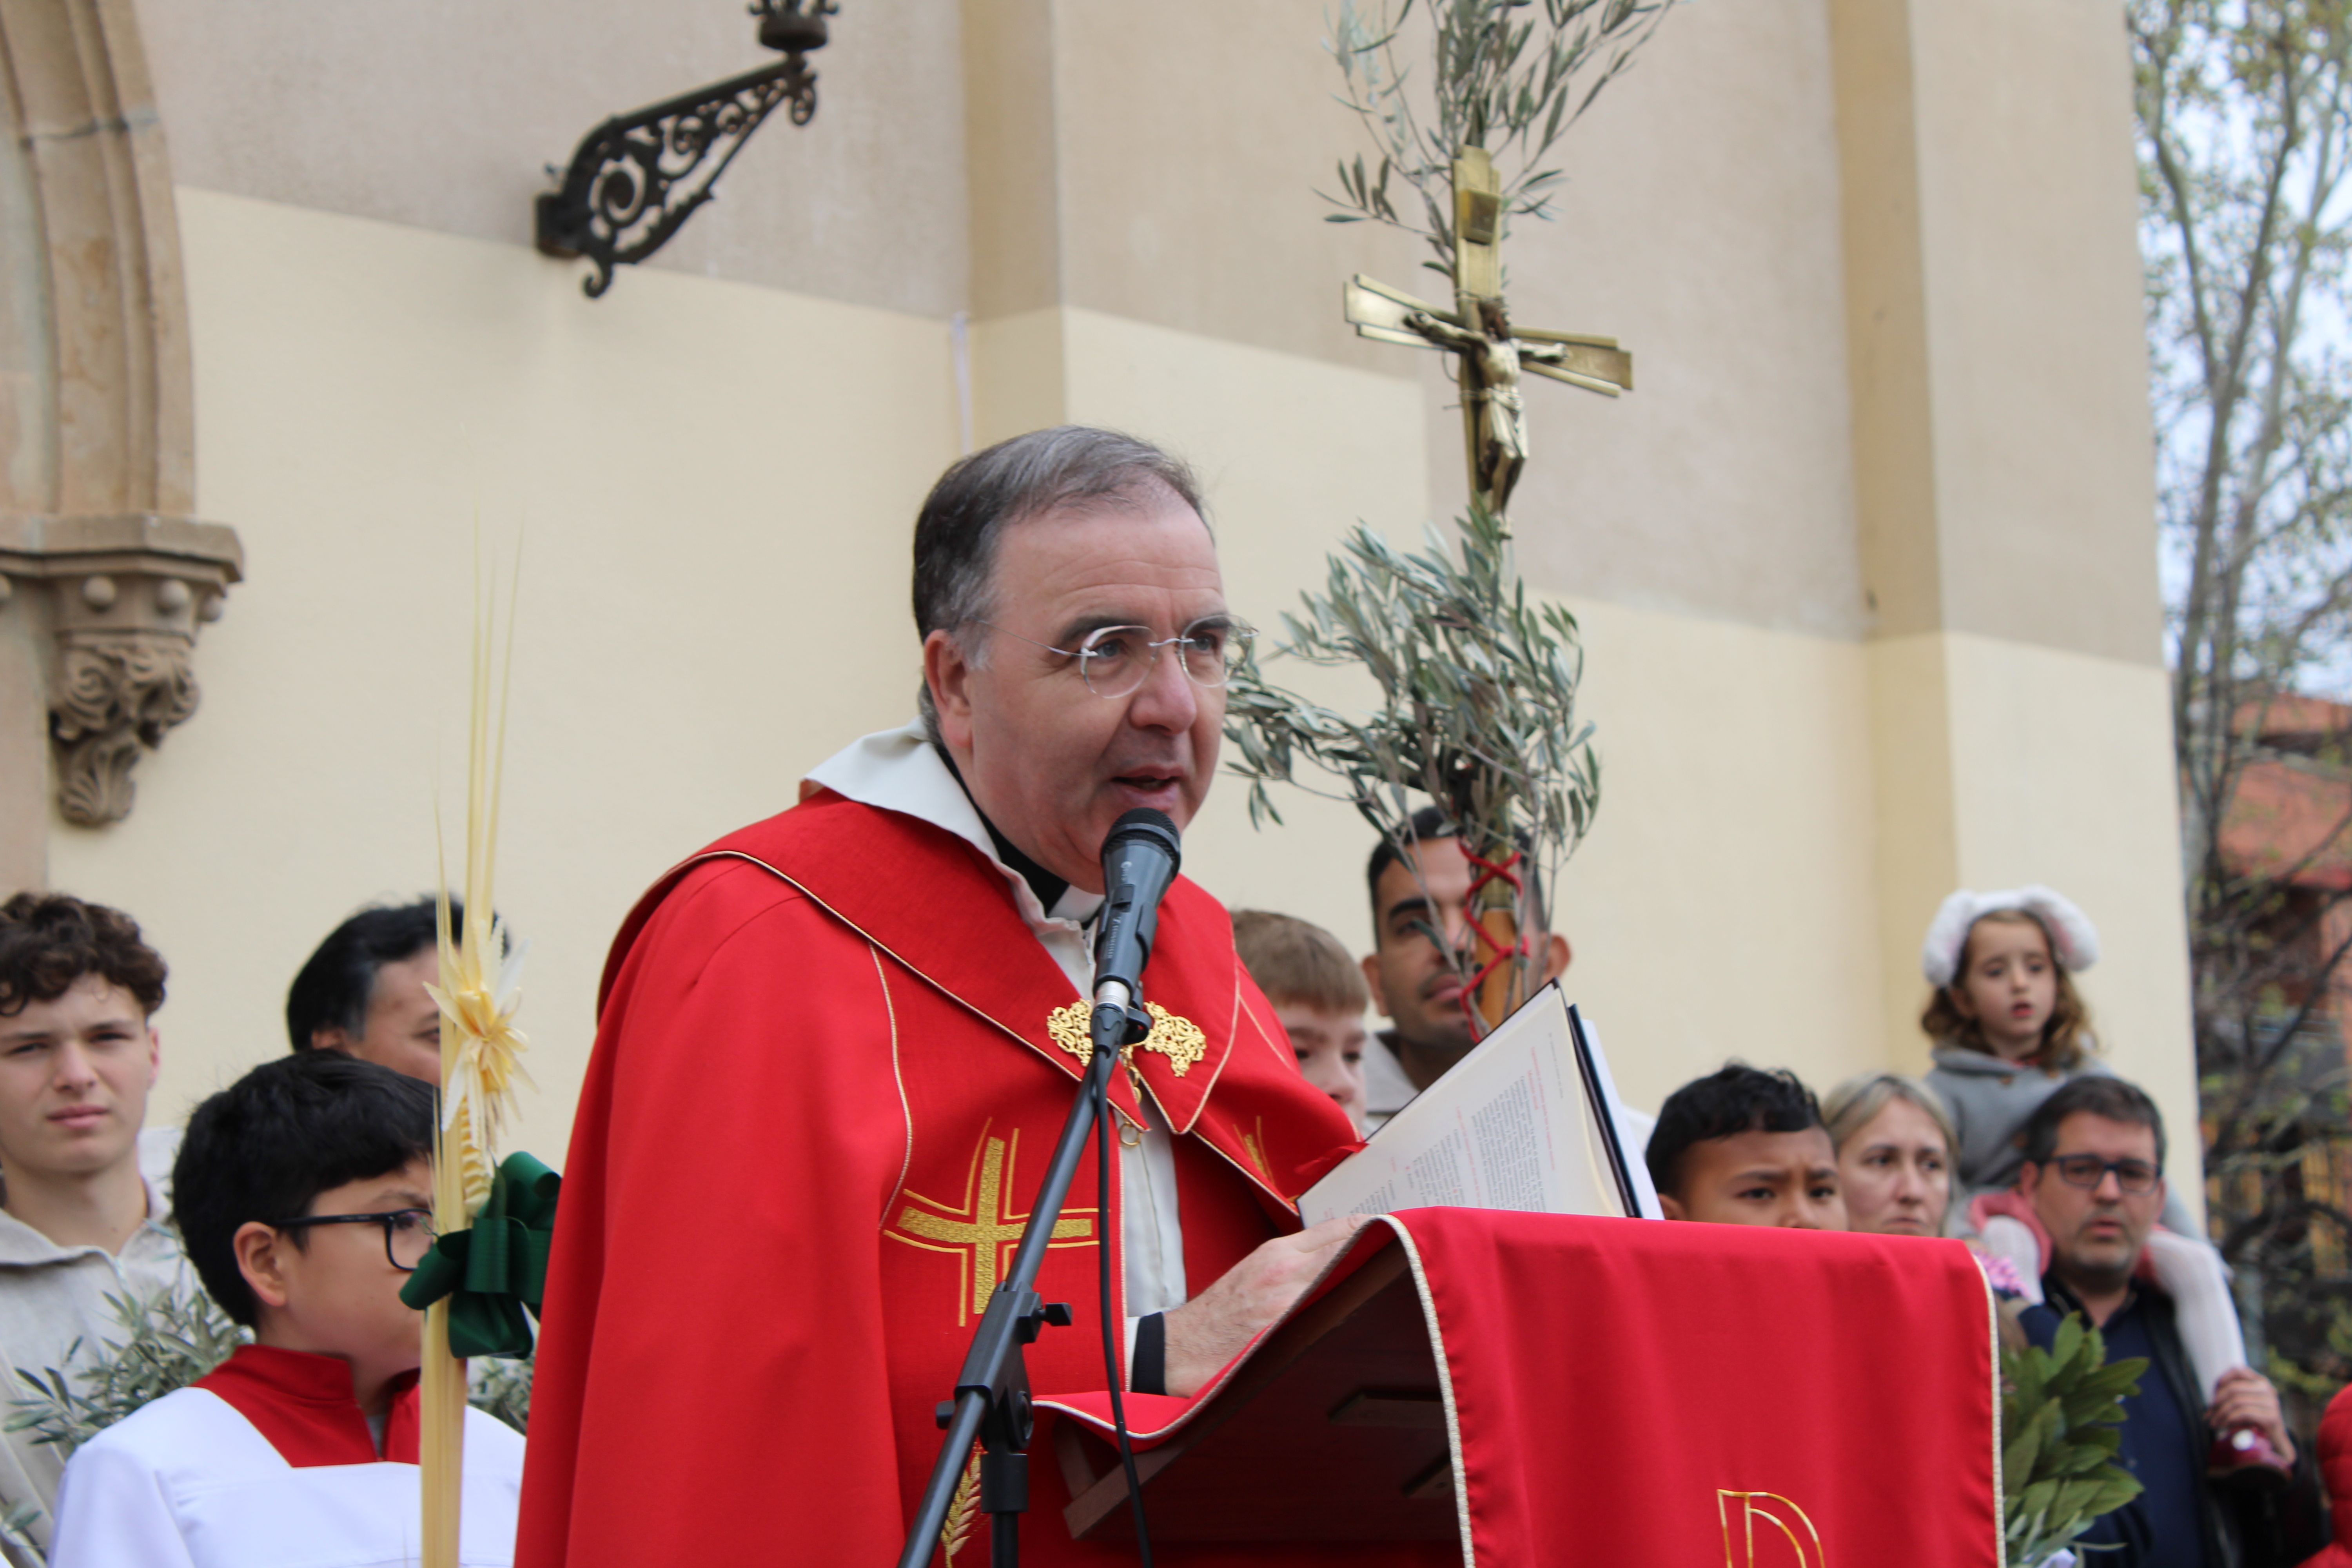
[1634, 1390]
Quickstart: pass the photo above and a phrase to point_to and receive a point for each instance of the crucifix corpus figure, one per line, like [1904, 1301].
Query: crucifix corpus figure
[1491, 353]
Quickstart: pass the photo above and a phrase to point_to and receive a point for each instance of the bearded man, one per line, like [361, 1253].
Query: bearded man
[824, 1086]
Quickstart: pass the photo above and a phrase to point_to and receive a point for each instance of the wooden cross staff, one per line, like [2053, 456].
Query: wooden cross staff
[1491, 352]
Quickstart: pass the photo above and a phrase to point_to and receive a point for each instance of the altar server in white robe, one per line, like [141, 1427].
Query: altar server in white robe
[303, 1193]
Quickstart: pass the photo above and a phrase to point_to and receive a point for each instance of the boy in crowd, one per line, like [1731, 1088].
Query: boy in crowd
[304, 1193]
[1742, 1146]
[78, 1222]
[1318, 992]
[363, 992]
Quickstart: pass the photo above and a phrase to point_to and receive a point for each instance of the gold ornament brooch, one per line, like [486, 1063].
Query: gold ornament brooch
[1179, 1039]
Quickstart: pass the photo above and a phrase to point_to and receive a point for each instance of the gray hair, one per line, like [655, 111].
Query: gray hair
[1855, 1104]
[965, 516]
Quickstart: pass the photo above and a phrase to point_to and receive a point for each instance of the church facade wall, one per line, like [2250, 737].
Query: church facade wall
[1884, 311]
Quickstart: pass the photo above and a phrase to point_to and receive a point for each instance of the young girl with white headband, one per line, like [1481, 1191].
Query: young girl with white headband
[2008, 1029]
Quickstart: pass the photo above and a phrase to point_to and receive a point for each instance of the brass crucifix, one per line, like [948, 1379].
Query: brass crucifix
[1491, 352]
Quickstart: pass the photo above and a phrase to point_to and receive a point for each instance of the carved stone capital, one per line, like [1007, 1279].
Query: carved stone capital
[120, 598]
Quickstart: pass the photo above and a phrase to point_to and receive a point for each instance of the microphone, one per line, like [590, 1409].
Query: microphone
[1139, 860]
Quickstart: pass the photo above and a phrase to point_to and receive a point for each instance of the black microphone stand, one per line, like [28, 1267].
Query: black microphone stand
[991, 1392]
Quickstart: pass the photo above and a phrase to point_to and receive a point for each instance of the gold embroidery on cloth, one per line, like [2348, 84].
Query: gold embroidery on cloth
[1255, 1147]
[961, 1508]
[985, 1230]
[1738, 1512]
[1179, 1039]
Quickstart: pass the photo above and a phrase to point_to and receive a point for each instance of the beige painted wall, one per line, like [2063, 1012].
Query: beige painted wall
[715, 469]
[441, 114]
[714, 514]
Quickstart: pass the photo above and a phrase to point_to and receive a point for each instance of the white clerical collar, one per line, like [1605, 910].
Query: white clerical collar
[897, 770]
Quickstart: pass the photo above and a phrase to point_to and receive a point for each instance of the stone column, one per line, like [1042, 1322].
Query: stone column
[104, 574]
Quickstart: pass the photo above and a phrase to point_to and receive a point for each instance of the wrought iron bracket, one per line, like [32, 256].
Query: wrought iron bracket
[635, 179]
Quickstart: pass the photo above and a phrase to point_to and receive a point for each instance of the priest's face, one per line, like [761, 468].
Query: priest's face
[1052, 762]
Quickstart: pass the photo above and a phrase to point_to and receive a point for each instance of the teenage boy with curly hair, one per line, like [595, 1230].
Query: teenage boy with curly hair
[78, 1222]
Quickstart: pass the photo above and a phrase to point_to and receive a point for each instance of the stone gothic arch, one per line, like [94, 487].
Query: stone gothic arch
[105, 574]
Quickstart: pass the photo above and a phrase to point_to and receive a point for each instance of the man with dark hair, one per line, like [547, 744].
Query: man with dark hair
[363, 992]
[1418, 898]
[835, 1048]
[1742, 1146]
[79, 1221]
[2093, 1172]
[305, 1192]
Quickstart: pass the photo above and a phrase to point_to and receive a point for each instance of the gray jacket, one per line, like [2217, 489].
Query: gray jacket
[1990, 1100]
[52, 1295]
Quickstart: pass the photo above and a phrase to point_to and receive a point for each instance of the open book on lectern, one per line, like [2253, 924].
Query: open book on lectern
[1529, 1120]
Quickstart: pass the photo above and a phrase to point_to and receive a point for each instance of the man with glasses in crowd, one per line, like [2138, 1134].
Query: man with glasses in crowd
[2093, 1172]
[836, 1049]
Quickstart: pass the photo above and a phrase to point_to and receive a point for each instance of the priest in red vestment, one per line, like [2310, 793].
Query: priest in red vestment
[835, 1048]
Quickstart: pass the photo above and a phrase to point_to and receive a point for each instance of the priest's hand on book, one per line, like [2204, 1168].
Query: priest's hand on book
[1215, 1326]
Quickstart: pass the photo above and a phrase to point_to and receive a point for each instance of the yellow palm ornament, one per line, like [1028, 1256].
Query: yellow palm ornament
[481, 1051]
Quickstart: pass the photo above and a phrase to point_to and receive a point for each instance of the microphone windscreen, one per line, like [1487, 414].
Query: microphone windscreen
[1144, 822]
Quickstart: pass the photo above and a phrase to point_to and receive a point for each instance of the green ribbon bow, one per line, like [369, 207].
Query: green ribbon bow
[494, 1270]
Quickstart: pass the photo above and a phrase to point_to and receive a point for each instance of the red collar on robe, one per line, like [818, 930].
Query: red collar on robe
[304, 1404]
[890, 876]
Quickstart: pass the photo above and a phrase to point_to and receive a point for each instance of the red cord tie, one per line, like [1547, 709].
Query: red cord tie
[1491, 871]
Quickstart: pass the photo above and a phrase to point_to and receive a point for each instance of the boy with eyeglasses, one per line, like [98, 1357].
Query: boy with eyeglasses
[2094, 1175]
[303, 1192]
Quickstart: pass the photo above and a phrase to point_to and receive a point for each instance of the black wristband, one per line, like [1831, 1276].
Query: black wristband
[1148, 1372]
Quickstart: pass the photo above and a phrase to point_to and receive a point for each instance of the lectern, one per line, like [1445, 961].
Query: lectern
[1652, 1393]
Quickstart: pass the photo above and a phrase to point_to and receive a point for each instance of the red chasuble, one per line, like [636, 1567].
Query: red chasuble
[821, 1098]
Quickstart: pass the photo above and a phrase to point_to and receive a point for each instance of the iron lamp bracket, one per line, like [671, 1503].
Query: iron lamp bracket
[635, 179]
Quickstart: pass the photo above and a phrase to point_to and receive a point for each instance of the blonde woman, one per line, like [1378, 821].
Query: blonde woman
[1895, 1152]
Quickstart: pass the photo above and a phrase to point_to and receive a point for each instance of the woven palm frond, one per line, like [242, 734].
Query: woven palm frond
[481, 967]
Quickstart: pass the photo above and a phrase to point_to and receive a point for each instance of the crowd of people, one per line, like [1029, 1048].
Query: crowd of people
[300, 1197]
[297, 1201]
[2019, 1141]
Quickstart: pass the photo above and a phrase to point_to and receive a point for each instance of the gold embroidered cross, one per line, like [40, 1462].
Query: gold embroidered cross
[983, 1230]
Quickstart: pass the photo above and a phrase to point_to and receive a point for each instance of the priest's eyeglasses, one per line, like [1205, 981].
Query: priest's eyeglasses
[2136, 1177]
[1114, 661]
[408, 1234]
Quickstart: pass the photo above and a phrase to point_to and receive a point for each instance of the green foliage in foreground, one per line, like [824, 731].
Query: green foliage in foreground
[169, 1340]
[2060, 1411]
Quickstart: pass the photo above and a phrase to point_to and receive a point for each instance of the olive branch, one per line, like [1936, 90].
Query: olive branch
[1476, 710]
[1520, 82]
